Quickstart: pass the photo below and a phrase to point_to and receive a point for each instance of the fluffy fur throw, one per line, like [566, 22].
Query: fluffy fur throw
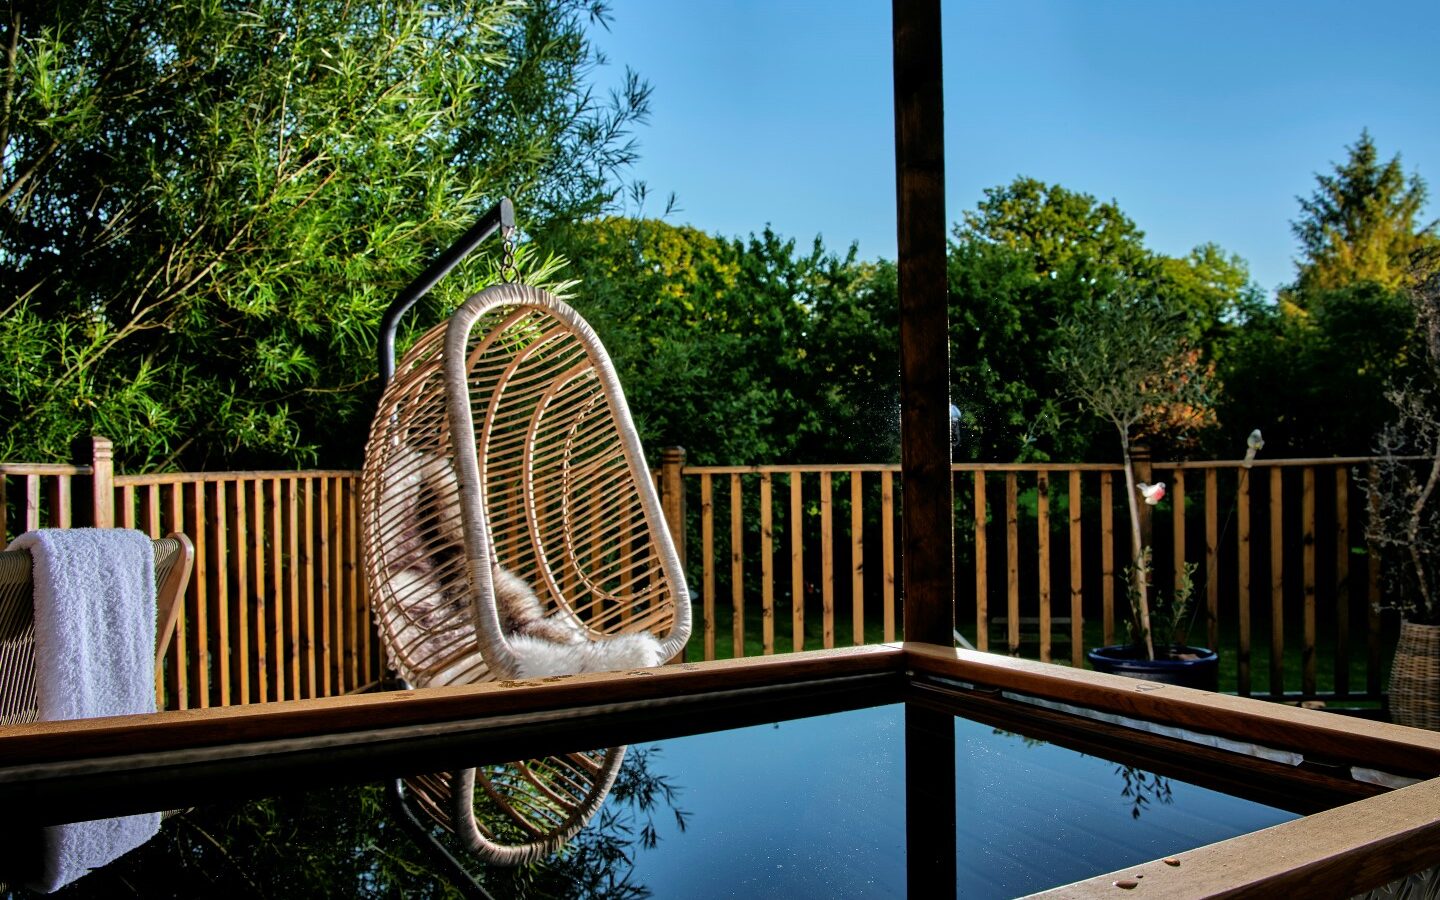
[557, 644]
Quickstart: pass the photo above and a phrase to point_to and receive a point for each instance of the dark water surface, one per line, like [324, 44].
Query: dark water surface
[809, 807]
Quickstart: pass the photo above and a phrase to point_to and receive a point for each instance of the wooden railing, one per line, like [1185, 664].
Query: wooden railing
[1284, 588]
[277, 608]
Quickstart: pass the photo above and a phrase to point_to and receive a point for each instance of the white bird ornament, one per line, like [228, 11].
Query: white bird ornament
[1253, 445]
[1153, 493]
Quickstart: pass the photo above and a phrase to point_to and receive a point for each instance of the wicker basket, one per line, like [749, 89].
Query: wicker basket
[1415, 677]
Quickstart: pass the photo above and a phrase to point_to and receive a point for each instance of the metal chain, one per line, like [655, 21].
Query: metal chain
[507, 260]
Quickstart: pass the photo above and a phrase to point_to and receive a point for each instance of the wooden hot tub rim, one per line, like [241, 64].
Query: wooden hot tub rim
[1334, 739]
[1372, 841]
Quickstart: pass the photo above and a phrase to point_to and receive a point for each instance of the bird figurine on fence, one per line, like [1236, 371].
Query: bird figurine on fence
[1253, 445]
[1153, 493]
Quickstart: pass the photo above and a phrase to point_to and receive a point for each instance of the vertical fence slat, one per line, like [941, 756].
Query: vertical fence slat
[335, 620]
[222, 590]
[32, 502]
[857, 557]
[1277, 585]
[243, 600]
[261, 605]
[982, 585]
[1212, 559]
[327, 586]
[1342, 581]
[1012, 563]
[827, 564]
[797, 563]
[767, 567]
[1242, 569]
[887, 550]
[201, 577]
[293, 523]
[277, 589]
[182, 625]
[1107, 556]
[707, 550]
[1307, 519]
[4, 508]
[1042, 547]
[352, 588]
[127, 506]
[152, 511]
[1077, 610]
[737, 568]
[312, 688]
[62, 499]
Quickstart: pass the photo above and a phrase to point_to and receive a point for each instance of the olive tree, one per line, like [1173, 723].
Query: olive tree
[1129, 361]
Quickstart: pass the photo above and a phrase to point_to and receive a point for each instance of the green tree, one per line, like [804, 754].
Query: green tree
[1361, 223]
[1314, 368]
[743, 352]
[1059, 230]
[1030, 255]
[1316, 382]
[207, 207]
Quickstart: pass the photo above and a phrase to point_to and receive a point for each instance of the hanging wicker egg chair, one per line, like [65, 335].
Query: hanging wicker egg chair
[510, 529]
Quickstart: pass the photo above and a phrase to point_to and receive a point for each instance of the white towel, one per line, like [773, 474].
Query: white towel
[94, 656]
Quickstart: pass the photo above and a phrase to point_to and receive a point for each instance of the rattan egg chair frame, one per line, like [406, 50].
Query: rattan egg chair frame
[503, 439]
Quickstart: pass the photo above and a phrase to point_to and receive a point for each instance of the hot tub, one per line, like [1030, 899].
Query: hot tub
[871, 771]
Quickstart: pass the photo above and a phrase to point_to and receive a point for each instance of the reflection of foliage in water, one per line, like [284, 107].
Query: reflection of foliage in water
[600, 860]
[1141, 787]
[345, 842]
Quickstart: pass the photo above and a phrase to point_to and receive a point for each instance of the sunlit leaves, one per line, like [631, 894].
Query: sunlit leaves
[222, 198]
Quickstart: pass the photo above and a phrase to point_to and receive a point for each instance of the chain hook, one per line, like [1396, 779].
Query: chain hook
[507, 259]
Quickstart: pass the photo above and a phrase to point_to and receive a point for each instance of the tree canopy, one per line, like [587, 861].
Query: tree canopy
[1032, 254]
[1361, 224]
[741, 351]
[204, 211]
[206, 208]
[1313, 368]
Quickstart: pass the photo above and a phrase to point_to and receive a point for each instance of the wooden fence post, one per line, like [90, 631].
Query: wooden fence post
[102, 479]
[92, 500]
[672, 496]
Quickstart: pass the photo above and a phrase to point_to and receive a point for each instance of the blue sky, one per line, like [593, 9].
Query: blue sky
[1203, 120]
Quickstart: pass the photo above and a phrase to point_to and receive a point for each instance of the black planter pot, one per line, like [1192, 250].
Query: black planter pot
[1194, 667]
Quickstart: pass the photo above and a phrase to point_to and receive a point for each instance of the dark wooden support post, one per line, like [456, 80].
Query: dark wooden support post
[928, 523]
[928, 526]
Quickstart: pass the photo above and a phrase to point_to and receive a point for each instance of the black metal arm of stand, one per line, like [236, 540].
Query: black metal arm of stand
[500, 216]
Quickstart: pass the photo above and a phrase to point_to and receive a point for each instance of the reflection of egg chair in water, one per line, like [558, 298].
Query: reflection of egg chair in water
[511, 529]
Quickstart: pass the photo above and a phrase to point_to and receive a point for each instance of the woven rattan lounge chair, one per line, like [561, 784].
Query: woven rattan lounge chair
[503, 448]
[174, 556]
[21, 846]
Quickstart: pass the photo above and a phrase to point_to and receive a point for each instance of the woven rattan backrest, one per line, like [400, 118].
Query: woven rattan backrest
[18, 701]
[547, 478]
